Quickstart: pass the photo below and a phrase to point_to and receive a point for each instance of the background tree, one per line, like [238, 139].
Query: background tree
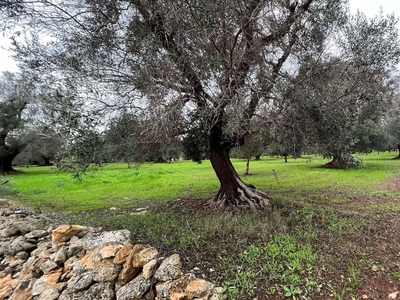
[15, 95]
[254, 147]
[123, 138]
[371, 136]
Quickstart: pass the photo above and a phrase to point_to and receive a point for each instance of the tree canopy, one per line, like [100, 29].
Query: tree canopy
[222, 65]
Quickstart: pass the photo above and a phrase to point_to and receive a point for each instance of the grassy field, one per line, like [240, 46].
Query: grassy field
[329, 234]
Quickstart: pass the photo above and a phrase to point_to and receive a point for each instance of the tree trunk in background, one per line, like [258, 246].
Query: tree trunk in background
[285, 158]
[398, 149]
[46, 161]
[233, 191]
[247, 166]
[334, 163]
[6, 162]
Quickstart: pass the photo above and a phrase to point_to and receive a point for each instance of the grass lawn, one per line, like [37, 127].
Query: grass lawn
[328, 234]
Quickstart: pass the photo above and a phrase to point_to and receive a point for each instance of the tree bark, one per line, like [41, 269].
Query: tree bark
[247, 165]
[46, 161]
[333, 164]
[6, 162]
[398, 149]
[233, 191]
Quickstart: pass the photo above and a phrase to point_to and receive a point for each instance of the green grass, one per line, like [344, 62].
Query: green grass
[116, 185]
[319, 238]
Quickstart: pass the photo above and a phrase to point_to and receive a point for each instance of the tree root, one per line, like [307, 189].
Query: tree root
[241, 196]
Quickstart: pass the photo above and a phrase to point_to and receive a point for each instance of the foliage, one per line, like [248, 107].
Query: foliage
[15, 95]
[170, 58]
[195, 145]
[86, 150]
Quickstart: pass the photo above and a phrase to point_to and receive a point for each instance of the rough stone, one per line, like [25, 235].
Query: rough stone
[9, 231]
[144, 256]
[20, 244]
[170, 269]
[23, 290]
[122, 254]
[128, 271]
[64, 233]
[178, 296]
[48, 266]
[96, 239]
[83, 266]
[61, 256]
[148, 269]
[135, 289]
[46, 282]
[7, 286]
[80, 282]
[23, 255]
[198, 288]
[36, 234]
[98, 291]
[106, 271]
[49, 294]
[109, 250]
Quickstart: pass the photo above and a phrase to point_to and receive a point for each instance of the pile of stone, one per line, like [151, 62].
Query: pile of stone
[78, 263]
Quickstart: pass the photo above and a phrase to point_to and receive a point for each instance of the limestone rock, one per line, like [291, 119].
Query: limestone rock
[20, 244]
[23, 255]
[178, 296]
[9, 231]
[48, 266]
[64, 233]
[144, 256]
[61, 256]
[148, 269]
[106, 271]
[7, 286]
[135, 289]
[91, 259]
[170, 269]
[23, 290]
[80, 282]
[198, 288]
[216, 297]
[96, 239]
[31, 268]
[49, 294]
[36, 234]
[165, 289]
[78, 263]
[98, 291]
[46, 282]
[128, 271]
[122, 254]
[109, 250]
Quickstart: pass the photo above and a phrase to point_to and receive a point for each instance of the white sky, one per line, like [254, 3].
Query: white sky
[369, 7]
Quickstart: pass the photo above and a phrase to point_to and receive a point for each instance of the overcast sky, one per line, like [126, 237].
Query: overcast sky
[369, 7]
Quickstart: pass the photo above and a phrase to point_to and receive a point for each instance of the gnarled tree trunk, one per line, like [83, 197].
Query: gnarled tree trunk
[335, 163]
[233, 191]
[6, 162]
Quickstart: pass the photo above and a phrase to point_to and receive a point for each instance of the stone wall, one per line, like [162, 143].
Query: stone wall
[78, 263]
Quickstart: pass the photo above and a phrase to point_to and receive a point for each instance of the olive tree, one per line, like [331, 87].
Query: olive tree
[15, 95]
[220, 59]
